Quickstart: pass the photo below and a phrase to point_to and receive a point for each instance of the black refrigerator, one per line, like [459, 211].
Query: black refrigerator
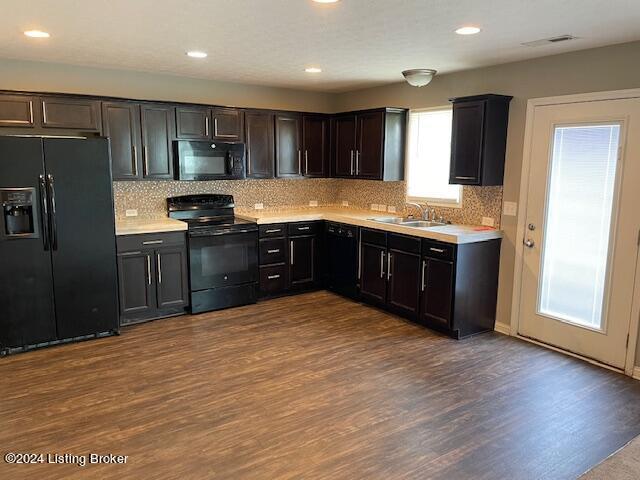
[58, 277]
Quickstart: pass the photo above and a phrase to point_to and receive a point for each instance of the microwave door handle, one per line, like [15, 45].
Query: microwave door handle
[229, 163]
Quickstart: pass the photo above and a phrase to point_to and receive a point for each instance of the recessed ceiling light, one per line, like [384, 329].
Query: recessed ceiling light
[326, 1]
[313, 70]
[469, 30]
[36, 34]
[196, 54]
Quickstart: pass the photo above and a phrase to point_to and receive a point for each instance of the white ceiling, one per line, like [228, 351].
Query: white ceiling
[357, 43]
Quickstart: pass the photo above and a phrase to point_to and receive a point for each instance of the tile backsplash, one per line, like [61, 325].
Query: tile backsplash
[149, 197]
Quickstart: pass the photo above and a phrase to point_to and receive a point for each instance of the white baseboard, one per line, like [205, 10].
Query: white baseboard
[636, 373]
[504, 328]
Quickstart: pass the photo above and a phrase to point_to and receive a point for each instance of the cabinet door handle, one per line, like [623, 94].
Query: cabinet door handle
[291, 252]
[272, 277]
[135, 160]
[159, 268]
[437, 250]
[152, 242]
[464, 178]
[149, 269]
[275, 250]
[359, 260]
[389, 266]
[357, 162]
[351, 170]
[424, 267]
[299, 162]
[206, 126]
[306, 163]
[275, 230]
[145, 156]
[381, 264]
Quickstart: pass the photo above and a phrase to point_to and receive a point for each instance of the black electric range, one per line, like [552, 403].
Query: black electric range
[223, 251]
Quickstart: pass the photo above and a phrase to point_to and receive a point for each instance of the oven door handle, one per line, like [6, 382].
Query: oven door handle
[227, 232]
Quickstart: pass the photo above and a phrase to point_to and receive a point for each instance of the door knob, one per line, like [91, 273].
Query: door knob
[529, 243]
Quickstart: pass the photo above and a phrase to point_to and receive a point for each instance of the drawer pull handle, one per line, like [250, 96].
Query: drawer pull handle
[275, 230]
[302, 228]
[437, 250]
[273, 277]
[153, 242]
[275, 250]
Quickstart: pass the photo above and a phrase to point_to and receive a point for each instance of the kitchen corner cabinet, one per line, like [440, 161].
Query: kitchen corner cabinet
[141, 139]
[369, 144]
[301, 145]
[153, 276]
[259, 138]
[478, 139]
[315, 145]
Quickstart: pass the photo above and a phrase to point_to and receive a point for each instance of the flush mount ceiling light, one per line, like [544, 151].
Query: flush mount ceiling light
[468, 30]
[313, 70]
[196, 54]
[37, 34]
[419, 77]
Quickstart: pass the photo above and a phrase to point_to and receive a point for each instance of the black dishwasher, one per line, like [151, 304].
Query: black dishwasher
[342, 253]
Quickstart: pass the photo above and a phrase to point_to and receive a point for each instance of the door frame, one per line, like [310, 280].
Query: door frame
[634, 323]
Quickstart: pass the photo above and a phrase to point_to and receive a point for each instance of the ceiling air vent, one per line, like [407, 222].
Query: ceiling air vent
[546, 41]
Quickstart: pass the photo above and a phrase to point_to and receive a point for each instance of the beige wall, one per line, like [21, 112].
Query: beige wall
[609, 68]
[49, 77]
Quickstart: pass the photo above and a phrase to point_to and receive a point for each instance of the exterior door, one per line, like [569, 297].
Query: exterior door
[582, 224]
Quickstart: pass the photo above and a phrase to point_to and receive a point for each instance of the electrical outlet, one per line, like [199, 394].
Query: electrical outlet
[391, 209]
[510, 209]
[131, 213]
[345, 203]
[259, 206]
[488, 221]
[313, 203]
[382, 208]
[374, 206]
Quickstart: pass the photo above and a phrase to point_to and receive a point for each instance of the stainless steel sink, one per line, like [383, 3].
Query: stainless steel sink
[422, 224]
[407, 222]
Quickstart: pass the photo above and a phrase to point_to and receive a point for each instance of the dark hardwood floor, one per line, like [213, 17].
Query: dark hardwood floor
[311, 387]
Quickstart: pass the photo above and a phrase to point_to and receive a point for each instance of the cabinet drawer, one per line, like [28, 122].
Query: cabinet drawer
[303, 228]
[442, 251]
[149, 240]
[273, 251]
[273, 280]
[374, 237]
[404, 243]
[272, 230]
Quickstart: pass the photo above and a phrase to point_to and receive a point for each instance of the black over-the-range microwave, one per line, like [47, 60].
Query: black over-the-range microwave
[209, 160]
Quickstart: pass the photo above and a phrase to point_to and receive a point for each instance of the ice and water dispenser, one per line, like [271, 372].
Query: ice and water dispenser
[19, 215]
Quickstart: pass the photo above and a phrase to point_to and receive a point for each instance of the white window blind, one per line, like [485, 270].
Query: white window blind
[429, 157]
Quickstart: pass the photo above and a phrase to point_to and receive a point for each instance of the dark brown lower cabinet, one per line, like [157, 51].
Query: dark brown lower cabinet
[373, 280]
[302, 252]
[437, 293]
[153, 276]
[404, 278]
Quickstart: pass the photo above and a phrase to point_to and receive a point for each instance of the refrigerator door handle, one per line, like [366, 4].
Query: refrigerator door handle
[52, 216]
[44, 212]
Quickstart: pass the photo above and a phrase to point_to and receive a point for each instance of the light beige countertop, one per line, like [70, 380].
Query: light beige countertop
[447, 233]
[133, 225]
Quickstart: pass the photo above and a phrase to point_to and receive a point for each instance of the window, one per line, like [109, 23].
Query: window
[429, 157]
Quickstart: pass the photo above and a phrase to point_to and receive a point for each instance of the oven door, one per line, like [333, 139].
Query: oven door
[223, 260]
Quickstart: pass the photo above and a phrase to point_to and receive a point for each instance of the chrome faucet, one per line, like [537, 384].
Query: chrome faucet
[426, 212]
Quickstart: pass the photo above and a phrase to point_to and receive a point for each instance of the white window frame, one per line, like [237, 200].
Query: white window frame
[432, 202]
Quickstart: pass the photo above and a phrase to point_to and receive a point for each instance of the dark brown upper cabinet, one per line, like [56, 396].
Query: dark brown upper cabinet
[288, 130]
[71, 114]
[121, 123]
[259, 138]
[17, 111]
[158, 132]
[478, 139]
[193, 123]
[315, 145]
[369, 144]
[228, 124]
